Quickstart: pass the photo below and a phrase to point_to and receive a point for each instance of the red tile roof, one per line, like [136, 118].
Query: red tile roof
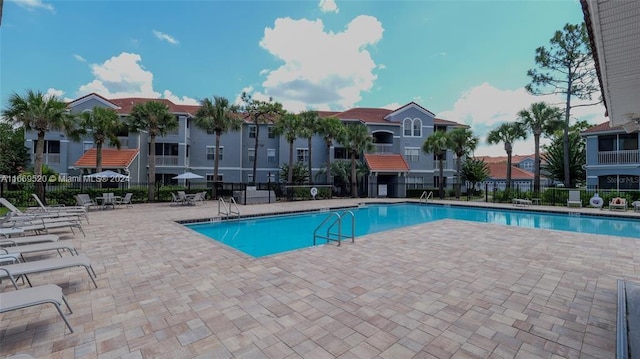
[499, 171]
[515, 159]
[111, 158]
[386, 162]
[366, 115]
[603, 127]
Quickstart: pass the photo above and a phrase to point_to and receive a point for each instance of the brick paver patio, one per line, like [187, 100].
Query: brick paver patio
[446, 289]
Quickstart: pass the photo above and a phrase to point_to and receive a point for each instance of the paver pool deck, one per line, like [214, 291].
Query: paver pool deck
[445, 289]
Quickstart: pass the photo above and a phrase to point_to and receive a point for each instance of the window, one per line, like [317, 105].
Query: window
[272, 133]
[412, 154]
[211, 152]
[250, 177]
[165, 149]
[628, 141]
[209, 178]
[406, 124]
[188, 150]
[271, 155]
[415, 182]
[417, 127]
[607, 143]
[252, 131]
[412, 128]
[49, 146]
[436, 181]
[340, 153]
[251, 153]
[271, 177]
[302, 154]
[86, 146]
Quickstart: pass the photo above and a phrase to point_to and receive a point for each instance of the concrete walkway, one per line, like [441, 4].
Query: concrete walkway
[445, 289]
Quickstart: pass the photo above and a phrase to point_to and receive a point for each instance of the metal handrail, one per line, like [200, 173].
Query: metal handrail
[227, 211]
[353, 224]
[426, 196]
[327, 237]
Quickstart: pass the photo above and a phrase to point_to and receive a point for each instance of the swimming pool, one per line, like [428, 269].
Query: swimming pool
[263, 236]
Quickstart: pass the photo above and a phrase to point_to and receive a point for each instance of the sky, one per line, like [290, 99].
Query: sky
[465, 61]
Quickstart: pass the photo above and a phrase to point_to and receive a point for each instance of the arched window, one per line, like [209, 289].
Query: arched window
[417, 127]
[407, 126]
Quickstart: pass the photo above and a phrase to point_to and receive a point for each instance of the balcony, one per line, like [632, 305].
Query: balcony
[618, 157]
[383, 147]
[436, 165]
[166, 160]
[51, 158]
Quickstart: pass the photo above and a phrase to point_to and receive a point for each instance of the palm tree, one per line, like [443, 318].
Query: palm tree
[507, 133]
[40, 113]
[438, 143]
[260, 112]
[289, 125]
[155, 118]
[217, 116]
[540, 119]
[331, 128]
[358, 140]
[309, 127]
[104, 124]
[463, 142]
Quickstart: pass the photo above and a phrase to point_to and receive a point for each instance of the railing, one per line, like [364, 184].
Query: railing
[426, 196]
[166, 160]
[383, 147]
[617, 157]
[333, 236]
[227, 210]
[51, 158]
[436, 165]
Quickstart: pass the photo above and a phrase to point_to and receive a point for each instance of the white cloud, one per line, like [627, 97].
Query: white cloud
[313, 75]
[79, 58]
[328, 6]
[124, 76]
[34, 4]
[57, 93]
[165, 37]
[184, 100]
[484, 107]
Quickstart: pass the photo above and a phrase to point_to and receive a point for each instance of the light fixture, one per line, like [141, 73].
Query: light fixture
[632, 126]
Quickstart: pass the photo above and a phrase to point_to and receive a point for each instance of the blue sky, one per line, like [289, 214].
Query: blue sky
[466, 61]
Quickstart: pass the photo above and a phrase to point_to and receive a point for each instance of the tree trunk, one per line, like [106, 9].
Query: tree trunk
[329, 162]
[536, 166]
[565, 134]
[37, 166]
[216, 155]
[441, 176]
[152, 169]
[310, 167]
[508, 186]
[255, 153]
[354, 180]
[458, 183]
[290, 173]
[99, 160]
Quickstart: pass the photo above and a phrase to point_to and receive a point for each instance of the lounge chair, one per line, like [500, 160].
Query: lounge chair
[42, 225]
[17, 212]
[59, 210]
[574, 199]
[17, 241]
[636, 206]
[85, 201]
[521, 202]
[618, 203]
[29, 297]
[13, 271]
[38, 247]
[126, 200]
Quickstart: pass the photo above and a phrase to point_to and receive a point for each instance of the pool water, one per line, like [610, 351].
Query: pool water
[263, 236]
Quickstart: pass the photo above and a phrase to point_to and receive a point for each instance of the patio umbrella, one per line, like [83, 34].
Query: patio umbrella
[187, 176]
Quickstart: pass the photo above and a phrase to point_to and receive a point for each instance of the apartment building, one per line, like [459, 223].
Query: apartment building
[613, 157]
[396, 164]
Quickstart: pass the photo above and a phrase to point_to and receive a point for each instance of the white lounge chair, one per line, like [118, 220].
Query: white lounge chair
[29, 297]
[14, 271]
[574, 199]
[17, 241]
[59, 210]
[39, 247]
[17, 212]
[41, 225]
[618, 203]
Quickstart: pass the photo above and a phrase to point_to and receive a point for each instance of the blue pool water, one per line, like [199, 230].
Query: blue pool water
[269, 235]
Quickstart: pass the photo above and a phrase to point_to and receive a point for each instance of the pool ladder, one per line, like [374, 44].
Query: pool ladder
[425, 196]
[227, 210]
[330, 234]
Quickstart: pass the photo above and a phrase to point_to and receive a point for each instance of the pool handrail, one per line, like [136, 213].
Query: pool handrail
[227, 210]
[426, 196]
[332, 236]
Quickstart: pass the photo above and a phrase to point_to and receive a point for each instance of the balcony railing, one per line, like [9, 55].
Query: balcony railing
[619, 157]
[51, 158]
[166, 160]
[445, 165]
[383, 147]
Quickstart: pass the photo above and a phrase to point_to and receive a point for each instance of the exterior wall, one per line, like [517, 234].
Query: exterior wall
[617, 169]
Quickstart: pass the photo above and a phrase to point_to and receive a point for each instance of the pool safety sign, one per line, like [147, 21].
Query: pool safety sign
[382, 190]
[314, 192]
